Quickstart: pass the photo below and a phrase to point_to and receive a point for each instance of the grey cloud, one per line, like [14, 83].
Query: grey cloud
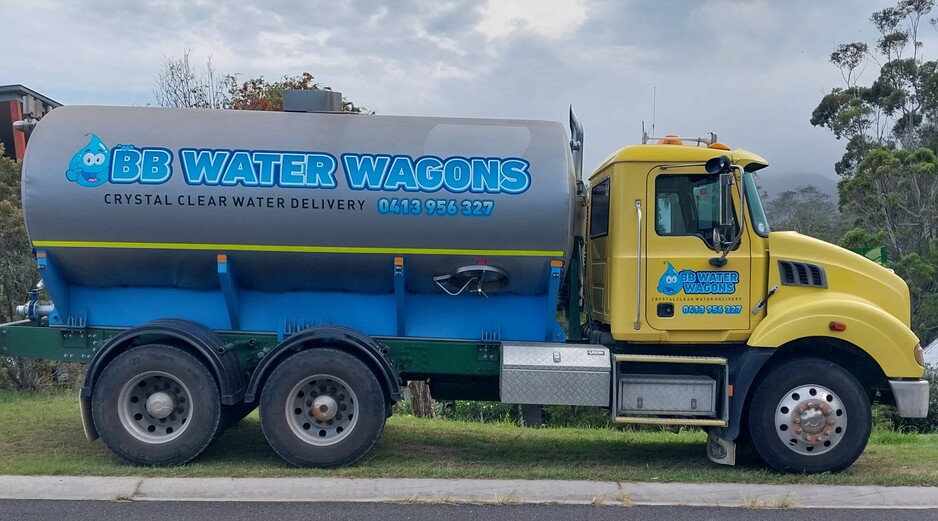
[749, 70]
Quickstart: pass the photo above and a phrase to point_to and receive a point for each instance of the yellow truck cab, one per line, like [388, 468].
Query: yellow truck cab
[685, 274]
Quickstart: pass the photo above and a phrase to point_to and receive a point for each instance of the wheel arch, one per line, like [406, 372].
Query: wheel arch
[866, 328]
[189, 336]
[852, 358]
[346, 339]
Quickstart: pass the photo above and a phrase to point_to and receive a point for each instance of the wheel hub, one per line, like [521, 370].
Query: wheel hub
[154, 407]
[810, 419]
[324, 408]
[160, 405]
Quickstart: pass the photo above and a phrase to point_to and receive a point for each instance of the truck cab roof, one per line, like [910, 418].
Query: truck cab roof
[674, 153]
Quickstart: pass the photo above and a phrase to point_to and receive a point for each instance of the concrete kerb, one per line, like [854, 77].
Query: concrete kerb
[464, 491]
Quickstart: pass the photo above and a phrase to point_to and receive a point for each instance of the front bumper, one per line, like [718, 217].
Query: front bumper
[911, 397]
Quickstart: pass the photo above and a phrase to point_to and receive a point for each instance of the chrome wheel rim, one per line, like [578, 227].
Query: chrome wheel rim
[154, 407]
[322, 410]
[810, 420]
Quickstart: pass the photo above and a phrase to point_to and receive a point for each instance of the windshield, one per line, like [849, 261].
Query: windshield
[756, 211]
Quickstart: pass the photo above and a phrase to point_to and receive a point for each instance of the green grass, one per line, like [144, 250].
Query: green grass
[41, 435]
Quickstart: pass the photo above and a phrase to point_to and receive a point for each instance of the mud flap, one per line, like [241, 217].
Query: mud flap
[720, 451]
[87, 424]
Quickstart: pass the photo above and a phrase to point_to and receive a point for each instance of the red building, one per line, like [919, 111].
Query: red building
[16, 102]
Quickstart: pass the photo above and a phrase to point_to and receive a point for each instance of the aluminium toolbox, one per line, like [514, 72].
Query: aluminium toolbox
[555, 374]
[685, 395]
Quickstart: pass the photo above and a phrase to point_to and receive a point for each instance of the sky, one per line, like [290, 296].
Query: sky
[751, 71]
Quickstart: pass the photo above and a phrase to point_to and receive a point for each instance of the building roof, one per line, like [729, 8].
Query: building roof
[9, 92]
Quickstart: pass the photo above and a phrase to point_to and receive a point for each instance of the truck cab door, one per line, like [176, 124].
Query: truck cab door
[684, 291]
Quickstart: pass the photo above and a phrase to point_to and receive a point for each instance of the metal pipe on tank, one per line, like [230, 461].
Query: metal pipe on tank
[576, 144]
[576, 148]
[25, 125]
[34, 311]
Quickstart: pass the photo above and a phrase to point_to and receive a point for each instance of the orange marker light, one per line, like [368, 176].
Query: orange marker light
[556, 264]
[222, 258]
[718, 146]
[837, 326]
[40, 255]
[729, 390]
[398, 261]
[670, 139]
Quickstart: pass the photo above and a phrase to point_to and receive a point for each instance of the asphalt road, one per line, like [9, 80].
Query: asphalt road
[46, 510]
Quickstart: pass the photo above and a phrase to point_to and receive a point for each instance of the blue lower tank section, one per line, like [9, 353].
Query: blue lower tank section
[469, 316]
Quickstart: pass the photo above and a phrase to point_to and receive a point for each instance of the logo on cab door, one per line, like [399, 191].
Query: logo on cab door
[693, 282]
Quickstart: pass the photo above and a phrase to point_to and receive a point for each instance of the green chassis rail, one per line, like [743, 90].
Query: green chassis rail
[413, 358]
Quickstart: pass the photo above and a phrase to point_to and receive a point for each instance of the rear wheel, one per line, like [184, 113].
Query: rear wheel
[810, 415]
[322, 408]
[156, 405]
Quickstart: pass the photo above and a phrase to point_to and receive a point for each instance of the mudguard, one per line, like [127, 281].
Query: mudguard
[222, 363]
[356, 342]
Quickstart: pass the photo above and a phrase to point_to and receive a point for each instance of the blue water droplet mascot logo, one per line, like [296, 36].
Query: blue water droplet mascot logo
[89, 166]
[670, 281]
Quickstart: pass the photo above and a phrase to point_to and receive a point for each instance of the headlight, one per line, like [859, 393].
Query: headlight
[920, 354]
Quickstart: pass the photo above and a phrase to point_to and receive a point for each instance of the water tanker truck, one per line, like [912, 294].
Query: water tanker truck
[307, 263]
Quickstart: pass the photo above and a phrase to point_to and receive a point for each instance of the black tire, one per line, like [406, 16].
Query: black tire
[343, 387]
[838, 411]
[130, 425]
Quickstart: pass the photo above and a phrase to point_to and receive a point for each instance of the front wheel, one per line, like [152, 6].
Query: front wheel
[322, 408]
[809, 415]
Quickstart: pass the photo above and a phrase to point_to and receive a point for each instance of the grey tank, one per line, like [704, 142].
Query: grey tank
[123, 196]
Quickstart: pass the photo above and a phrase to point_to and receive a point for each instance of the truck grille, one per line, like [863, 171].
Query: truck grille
[802, 274]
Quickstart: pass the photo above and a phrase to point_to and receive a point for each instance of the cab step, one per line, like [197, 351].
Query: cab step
[676, 390]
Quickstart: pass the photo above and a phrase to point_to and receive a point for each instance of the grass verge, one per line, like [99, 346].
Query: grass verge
[41, 435]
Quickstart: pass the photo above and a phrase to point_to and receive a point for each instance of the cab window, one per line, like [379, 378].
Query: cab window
[688, 205]
[599, 210]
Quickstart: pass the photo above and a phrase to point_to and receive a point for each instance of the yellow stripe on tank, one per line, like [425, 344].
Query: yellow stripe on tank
[293, 249]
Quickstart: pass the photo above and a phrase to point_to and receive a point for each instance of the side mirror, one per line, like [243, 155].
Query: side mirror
[718, 165]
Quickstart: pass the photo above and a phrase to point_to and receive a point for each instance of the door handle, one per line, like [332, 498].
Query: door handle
[638, 263]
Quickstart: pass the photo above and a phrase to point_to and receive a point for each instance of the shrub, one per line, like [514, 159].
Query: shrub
[477, 411]
[23, 374]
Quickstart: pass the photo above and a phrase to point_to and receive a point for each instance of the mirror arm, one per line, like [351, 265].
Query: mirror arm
[719, 262]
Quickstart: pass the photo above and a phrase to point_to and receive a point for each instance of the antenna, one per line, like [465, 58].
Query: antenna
[654, 106]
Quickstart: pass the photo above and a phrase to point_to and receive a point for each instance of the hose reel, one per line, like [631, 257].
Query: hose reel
[480, 279]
